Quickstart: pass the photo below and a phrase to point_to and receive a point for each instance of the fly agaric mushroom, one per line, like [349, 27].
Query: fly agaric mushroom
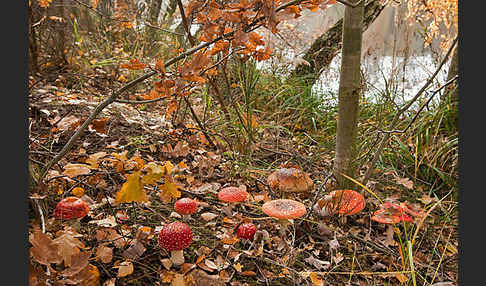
[246, 231]
[185, 207]
[70, 208]
[232, 195]
[175, 237]
[390, 213]
[343, 202]
[284, 210]
[289, 180]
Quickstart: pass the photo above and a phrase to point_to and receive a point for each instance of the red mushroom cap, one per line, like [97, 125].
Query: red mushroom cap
[391, 213]
[290, 180]
[232, 194]
[185, 206]
[344, 202]
[246, 231]
[284, 209]
[71, 207]
[175, 236]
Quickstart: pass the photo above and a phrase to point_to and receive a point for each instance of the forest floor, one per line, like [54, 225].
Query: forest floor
[119, 241]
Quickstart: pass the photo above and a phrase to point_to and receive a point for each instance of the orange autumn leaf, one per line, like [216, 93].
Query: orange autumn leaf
[132, 190]
[171, 107]
[134, 64]
[94, 4]
[78, 192]
[44, 3]
[99, 125]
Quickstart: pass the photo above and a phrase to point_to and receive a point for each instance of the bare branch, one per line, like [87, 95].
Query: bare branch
[402, 110]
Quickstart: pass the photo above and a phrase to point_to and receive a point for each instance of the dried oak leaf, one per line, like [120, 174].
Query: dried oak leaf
[68, 246]
[44, 250]
[73, 170]
[79, 261]
[104, 253]
[132, 190]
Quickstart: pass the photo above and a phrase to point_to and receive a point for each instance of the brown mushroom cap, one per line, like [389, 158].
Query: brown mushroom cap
[185, 206]
[232, 194]
[344, 202]
[175, 236]
[290, 180]
[71, 207]
[284, 209]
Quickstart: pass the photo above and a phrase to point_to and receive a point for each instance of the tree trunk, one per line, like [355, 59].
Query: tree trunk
[327, 46]
[150, 32]
[33, 49]
[453, 71]
[349, 92]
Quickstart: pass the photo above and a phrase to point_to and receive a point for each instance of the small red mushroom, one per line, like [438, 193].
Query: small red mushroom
[70, 208]
[246, 231]
[232, 195]
[343, 202]
[185, 207]
[284, 210]
[391, 213]
[175, 237]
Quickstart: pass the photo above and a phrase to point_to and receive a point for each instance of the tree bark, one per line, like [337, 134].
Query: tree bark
[151, 33]
[327, 46]
[453, 71]
[349, 92]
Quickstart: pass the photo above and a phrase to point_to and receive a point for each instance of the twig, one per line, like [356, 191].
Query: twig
[185, 23]
[397, 115]
[422, 107]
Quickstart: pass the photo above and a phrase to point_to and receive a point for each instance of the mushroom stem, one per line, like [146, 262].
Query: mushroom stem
[284, 223]
[177, 257]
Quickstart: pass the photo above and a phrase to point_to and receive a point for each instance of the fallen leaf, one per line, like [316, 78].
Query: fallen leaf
[109, 221]
[406, 182]
[316, 279]
[400, 277]
[78, 192]
[337, 258]
[73, 170]
[104, 253]
[207, 216]
[44, 250]
[79, 261]
[132, 190]
[125, 268]
[68, 246]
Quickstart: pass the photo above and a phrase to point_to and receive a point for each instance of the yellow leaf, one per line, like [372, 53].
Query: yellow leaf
[238, 267]
[316, 280]
[169, 190]
[154, 173]
[182, 165]
[168, 167]
[78, 192]
[132, 190]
